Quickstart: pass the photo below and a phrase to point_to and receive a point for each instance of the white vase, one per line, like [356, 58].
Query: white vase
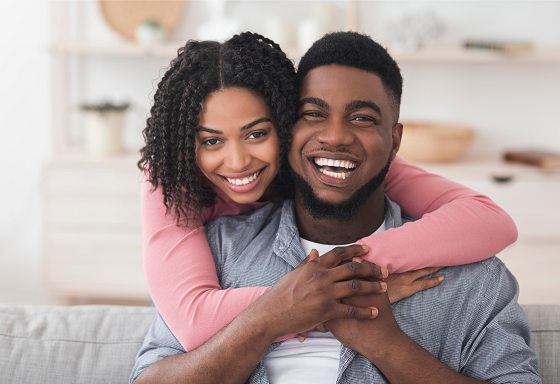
[103, 132]
[149, 33]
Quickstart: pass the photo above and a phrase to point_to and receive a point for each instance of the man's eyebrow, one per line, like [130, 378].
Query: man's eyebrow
[313, 100]
[253, 123]
[359, 104]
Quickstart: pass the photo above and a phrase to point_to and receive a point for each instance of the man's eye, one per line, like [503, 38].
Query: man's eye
[256, 135]
[211, 142]
[364, 120]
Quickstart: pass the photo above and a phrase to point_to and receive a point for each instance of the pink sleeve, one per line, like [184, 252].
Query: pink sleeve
[181, 274]
[456, 225]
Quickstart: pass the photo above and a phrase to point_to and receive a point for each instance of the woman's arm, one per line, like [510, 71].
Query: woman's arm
[181, 274]
[456, 225]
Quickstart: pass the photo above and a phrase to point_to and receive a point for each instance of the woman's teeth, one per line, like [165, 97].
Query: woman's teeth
[245, 180]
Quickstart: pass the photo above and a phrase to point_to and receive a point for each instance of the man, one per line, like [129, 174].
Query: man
[469, 328]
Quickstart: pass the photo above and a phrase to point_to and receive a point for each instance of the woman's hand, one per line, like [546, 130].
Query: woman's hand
[403, 285]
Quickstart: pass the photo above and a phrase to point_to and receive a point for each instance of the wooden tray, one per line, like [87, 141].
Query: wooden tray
[125, 16]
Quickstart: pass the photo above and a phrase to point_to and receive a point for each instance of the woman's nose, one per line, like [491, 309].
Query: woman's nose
[237, 158]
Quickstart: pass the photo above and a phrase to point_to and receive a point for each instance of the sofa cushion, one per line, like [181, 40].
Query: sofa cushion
[98, 344]
[82, 344]
[545, 339]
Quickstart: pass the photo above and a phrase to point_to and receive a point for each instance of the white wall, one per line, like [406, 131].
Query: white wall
[24, 141]
[508, 104]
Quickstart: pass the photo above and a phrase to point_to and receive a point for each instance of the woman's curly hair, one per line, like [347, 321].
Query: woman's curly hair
[247, 60]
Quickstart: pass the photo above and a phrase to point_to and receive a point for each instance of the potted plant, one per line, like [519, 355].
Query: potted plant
[103, 124]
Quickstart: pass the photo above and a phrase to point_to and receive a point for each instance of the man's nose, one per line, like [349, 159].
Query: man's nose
[335, 133]
[237, 157]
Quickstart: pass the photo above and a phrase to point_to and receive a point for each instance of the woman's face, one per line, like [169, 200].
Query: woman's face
[237, 145]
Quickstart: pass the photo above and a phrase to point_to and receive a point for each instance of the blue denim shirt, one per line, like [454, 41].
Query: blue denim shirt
[471, 322]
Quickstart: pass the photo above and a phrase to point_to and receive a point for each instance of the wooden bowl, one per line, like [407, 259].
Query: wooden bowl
[125, 16]
[434, 143]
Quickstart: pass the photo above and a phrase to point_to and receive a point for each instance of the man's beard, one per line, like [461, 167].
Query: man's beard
[344, 211]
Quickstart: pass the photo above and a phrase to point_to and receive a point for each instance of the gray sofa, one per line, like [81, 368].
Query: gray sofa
[97, 344]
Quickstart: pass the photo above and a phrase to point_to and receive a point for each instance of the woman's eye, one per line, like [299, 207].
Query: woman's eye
[256, 135]
[311, 114]
[211, 142]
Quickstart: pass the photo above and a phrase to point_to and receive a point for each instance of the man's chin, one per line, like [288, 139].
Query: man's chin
[342, 211]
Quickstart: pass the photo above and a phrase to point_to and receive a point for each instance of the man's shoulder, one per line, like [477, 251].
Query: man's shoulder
[482, 275]
[235, 234]
[250, 219]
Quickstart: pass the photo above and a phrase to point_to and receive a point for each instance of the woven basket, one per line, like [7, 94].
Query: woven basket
[432, 143]
[125, 16]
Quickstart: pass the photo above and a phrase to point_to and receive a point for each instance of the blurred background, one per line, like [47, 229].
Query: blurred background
[481, 79]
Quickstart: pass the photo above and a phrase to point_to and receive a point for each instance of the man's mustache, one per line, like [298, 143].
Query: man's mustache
[328, 148]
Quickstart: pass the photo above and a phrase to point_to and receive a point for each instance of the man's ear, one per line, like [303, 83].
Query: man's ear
[397, 136]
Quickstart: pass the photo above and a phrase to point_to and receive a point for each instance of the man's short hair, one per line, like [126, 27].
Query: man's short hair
[356, 50]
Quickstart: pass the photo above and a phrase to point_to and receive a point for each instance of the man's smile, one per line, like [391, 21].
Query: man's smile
[333, 169]
[337, 168]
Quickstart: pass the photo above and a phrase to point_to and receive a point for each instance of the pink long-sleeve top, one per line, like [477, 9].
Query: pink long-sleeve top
[456, 226]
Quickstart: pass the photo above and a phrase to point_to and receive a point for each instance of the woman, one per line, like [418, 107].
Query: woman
[215, 145]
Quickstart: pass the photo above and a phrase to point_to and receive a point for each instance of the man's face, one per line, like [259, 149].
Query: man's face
[345, 133]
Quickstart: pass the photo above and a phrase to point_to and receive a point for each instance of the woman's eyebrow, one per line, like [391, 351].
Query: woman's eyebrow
[204, 129]
[315, 101]
[359, 104]
[253, 123]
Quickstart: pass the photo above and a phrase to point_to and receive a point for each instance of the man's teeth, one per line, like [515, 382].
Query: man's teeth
[245, 180]
[322, 161]
[336, 175]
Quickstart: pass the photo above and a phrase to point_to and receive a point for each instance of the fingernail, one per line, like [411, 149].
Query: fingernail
[364, 247]
[301, 339]
[374, 312]
[440, 278]
[384, 272]
[357, 259]
[383, 285]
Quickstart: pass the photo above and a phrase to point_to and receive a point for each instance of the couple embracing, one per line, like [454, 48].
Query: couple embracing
[280, 236]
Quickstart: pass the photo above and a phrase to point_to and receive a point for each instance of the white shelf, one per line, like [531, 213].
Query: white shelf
[166, 50]
[444, 55]
[457, 55]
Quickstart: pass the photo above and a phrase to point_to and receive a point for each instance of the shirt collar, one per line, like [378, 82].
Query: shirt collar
[287, 245]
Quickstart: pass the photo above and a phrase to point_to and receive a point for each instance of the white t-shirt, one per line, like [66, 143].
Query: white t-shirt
[315, 360]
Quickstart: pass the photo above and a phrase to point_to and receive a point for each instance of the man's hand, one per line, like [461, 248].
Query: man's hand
[353, 332]
[312, 293]
[381, 341]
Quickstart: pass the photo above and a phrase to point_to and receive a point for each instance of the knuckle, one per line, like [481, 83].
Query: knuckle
[318, 275]
[354, 266]
[354, 285]
[352, 312]
[339, 250]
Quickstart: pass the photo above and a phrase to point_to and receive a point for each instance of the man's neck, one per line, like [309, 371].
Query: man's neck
[332, 231]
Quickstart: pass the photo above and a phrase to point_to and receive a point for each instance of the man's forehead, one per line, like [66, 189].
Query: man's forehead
[343, 82]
